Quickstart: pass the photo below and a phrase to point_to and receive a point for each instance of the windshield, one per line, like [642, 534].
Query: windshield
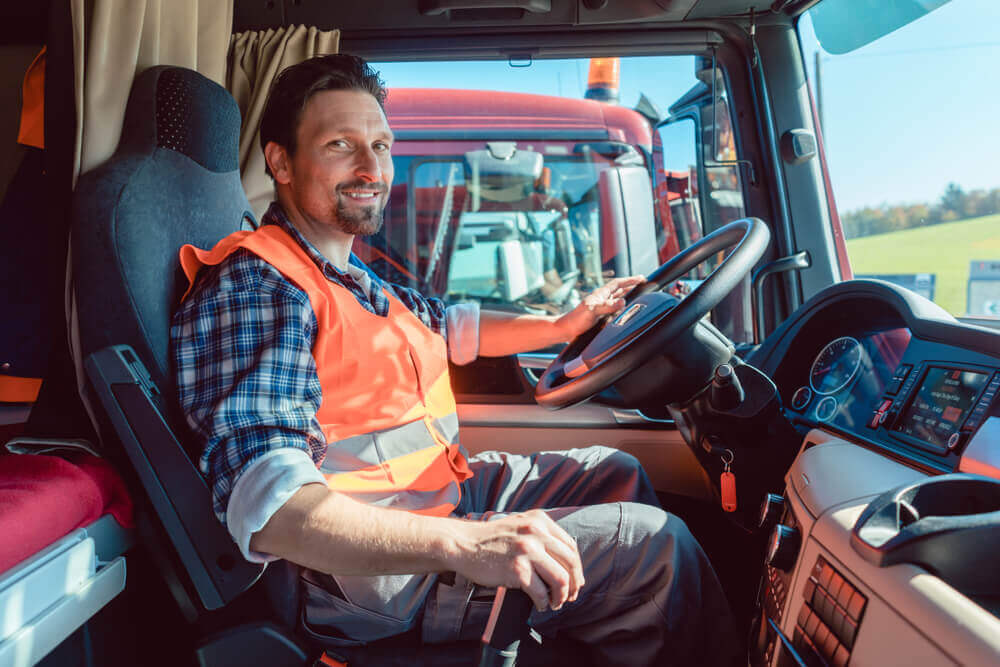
[468, 202]
[909, 127]
[523, 186]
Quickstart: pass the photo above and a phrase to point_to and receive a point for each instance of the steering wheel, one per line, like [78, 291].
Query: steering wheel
[654, 323]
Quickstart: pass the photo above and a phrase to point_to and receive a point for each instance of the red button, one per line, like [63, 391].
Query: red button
[856, 606]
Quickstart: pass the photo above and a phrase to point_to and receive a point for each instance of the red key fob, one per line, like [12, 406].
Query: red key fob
[727, 486]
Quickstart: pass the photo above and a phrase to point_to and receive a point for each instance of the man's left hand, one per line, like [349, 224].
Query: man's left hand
[608, 299]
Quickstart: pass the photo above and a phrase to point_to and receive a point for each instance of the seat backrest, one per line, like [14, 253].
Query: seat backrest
[174, 179]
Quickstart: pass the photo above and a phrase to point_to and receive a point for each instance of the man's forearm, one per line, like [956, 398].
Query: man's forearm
[327, 531]
[502, 333]
[330, 532]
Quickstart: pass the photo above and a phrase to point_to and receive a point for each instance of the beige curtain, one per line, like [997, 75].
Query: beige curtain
[113, 40]
[255, 59]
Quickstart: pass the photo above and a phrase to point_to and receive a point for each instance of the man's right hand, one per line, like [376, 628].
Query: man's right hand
[527, 551]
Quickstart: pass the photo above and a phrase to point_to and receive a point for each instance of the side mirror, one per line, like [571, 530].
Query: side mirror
[627, 220]
[520, 268]
[678, 174]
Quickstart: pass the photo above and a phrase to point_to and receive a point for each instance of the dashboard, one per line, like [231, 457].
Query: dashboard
[889, 394]
[870, 365]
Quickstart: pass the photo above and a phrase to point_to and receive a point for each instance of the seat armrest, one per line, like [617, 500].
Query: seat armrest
[177, 492]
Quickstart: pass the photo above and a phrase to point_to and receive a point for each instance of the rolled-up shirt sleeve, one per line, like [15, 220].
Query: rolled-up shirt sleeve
[463, 332]
[262, 489]
[247, 386]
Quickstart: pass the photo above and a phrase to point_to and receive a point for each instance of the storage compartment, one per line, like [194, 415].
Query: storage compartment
[948, 524]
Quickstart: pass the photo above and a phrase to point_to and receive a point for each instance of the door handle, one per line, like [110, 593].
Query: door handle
[533, 363]
[538, 361]
[635, 417]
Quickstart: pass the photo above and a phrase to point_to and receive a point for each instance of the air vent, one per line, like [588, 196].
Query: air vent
[830, 617]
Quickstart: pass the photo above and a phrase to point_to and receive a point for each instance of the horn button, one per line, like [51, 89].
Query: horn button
[632, 321]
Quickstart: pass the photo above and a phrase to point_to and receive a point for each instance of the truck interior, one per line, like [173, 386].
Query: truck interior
[832, 441]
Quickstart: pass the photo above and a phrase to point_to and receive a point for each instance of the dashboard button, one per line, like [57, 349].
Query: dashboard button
[901, 372]
[954, 440]
[811, 624]
[803, 616]
[893, 387]
[850, 631]
[825, 576]
[810, 590]
[830, 646]
[845, 595]
[856, 606]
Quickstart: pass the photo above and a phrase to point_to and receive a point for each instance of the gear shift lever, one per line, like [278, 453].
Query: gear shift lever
[507, 625]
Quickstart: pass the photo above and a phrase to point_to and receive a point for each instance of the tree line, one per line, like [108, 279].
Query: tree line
[954, 204]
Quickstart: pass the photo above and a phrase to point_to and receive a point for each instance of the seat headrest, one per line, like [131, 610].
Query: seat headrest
[180, 110]
[174, 179]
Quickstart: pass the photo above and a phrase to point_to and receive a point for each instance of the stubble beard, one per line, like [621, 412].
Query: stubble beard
[360, 221]
[365, 221]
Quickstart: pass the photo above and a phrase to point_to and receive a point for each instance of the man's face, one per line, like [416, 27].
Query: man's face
[341, 171]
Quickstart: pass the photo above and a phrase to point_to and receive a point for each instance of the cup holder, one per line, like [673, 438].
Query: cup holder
[949, 524]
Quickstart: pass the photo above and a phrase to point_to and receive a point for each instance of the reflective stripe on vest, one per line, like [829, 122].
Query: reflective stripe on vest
[387, 409]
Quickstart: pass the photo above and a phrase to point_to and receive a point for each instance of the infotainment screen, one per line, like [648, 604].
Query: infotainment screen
[945, 397]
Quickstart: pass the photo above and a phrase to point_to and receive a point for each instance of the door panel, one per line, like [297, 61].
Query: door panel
[525, 429]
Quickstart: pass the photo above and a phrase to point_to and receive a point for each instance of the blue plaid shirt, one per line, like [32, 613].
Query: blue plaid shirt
[242, 350]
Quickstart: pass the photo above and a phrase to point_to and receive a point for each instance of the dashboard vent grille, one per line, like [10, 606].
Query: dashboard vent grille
[830, 617]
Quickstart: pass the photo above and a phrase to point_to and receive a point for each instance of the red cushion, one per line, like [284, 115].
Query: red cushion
[42, 498]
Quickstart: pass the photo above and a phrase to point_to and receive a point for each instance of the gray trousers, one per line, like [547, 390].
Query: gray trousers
[651, 596]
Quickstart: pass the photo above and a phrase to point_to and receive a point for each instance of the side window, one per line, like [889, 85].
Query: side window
[698, 187]
[723, 185]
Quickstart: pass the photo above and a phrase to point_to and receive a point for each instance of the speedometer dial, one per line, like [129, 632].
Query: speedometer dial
[835, 365]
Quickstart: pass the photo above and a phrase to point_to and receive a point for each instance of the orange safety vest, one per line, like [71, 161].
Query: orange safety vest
[388, 412]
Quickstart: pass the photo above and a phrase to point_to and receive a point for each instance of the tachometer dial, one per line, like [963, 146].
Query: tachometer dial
[835, 365]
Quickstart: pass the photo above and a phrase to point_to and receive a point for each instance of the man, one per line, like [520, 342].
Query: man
[322, 397]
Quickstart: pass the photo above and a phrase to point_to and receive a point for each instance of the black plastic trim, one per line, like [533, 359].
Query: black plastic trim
[177, 491]
[251, 644]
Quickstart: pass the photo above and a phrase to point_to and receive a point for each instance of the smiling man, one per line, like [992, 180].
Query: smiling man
[321, 396]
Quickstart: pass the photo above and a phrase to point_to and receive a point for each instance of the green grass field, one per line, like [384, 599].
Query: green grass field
[944, 250]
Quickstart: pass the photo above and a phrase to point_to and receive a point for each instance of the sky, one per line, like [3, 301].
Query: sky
[903, 116]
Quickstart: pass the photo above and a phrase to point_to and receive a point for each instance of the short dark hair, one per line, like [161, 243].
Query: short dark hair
[295, 86]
